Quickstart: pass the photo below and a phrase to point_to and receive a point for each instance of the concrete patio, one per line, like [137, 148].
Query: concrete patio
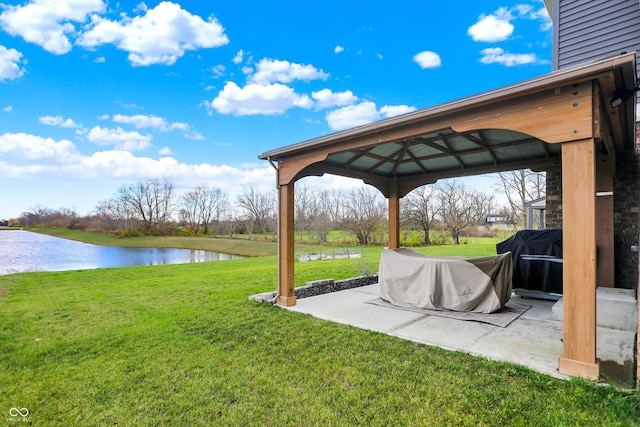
[533, 340]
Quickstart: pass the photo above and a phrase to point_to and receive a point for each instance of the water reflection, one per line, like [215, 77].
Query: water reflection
[25, 251]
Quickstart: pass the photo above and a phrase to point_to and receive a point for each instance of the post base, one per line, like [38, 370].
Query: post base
[576, 368]
[287, 301]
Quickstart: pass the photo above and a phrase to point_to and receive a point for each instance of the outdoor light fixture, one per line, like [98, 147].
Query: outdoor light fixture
[626, 94]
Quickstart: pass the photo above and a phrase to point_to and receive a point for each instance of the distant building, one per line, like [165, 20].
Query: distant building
[497, 221]
[535, 213]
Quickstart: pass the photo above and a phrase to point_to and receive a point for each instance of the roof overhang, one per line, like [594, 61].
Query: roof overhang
[514, 127]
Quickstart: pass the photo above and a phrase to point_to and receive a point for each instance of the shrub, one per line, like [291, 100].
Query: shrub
[130, 233]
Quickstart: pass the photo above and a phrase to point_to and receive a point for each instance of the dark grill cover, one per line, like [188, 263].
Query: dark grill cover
[535, 275]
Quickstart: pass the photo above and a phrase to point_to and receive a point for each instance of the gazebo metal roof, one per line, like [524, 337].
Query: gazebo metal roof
[490, 132]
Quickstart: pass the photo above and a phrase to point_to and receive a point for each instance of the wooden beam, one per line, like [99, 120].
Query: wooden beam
[565, 111]
[579, 253]
[609, 86]
[286, 295]
[394, 218]
[290, 168]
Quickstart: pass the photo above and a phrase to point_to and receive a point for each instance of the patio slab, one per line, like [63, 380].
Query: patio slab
[533, 340]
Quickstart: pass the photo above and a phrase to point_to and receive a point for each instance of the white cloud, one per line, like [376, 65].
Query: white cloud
[196, 136]
[239, 56]
[142, 7]
[325, 98]
[218, 71]
[499, 56]
[58, 121]
[493, 27]
[180, 126]
[8, 108]
[160, 36]
[257, 99]
[270, 71]
[497, 26]
[362, 114]
[543, 15]
[100, 60]
[119, 138]
[529, 12]
[338, 49]
[395, 110]
[142, 121]
[427, 59]
[37, 157]
[10, 60]
[24, 148]
[48, 23]
[165, 151]
[352, 116]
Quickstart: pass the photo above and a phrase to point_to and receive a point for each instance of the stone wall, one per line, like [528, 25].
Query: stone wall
[325, 286]
[319, 287]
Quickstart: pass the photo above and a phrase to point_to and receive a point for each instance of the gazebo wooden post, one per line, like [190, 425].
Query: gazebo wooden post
[286, 295]
[579, 254]
[394, 218]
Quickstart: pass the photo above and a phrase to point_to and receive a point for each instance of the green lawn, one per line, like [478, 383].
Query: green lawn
[182, 345]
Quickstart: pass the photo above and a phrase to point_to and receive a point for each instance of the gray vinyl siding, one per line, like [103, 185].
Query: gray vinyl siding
[586, 30]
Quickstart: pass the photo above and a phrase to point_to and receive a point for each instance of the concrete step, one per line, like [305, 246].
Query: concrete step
[615, 309]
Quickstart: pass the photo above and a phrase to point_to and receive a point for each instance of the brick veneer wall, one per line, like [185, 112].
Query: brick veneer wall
[553, 210]
[626, 190]
[626, 207]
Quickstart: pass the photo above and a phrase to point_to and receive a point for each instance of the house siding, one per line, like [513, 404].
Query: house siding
[586, 30]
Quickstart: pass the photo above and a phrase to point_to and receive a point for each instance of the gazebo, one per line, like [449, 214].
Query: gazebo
[578, 118]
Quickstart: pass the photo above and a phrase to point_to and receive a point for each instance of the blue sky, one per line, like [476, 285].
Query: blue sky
[95, 94]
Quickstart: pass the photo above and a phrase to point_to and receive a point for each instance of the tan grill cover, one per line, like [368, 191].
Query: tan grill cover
[410, 279]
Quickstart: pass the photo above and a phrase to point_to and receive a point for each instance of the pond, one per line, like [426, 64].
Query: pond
[22, 251]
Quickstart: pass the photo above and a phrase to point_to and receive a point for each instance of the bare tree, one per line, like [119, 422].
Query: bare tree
[325, 213]
[108, 216]
[313, 212]
[303, 202]
[421, 206]
[37, 215]
[259, 207]
[363, 212]
[151, 200]
[461, 208]
[201, 206]
[189, 210]
[213, 205]
[520, 187]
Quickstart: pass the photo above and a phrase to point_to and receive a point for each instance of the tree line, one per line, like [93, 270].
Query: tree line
[153, 207]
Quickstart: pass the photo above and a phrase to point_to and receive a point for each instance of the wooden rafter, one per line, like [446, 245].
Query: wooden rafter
[480, 141]
[453, 152]
[383, 160]
[399, 157]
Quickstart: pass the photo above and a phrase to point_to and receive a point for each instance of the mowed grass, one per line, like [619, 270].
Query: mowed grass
[182, 345]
